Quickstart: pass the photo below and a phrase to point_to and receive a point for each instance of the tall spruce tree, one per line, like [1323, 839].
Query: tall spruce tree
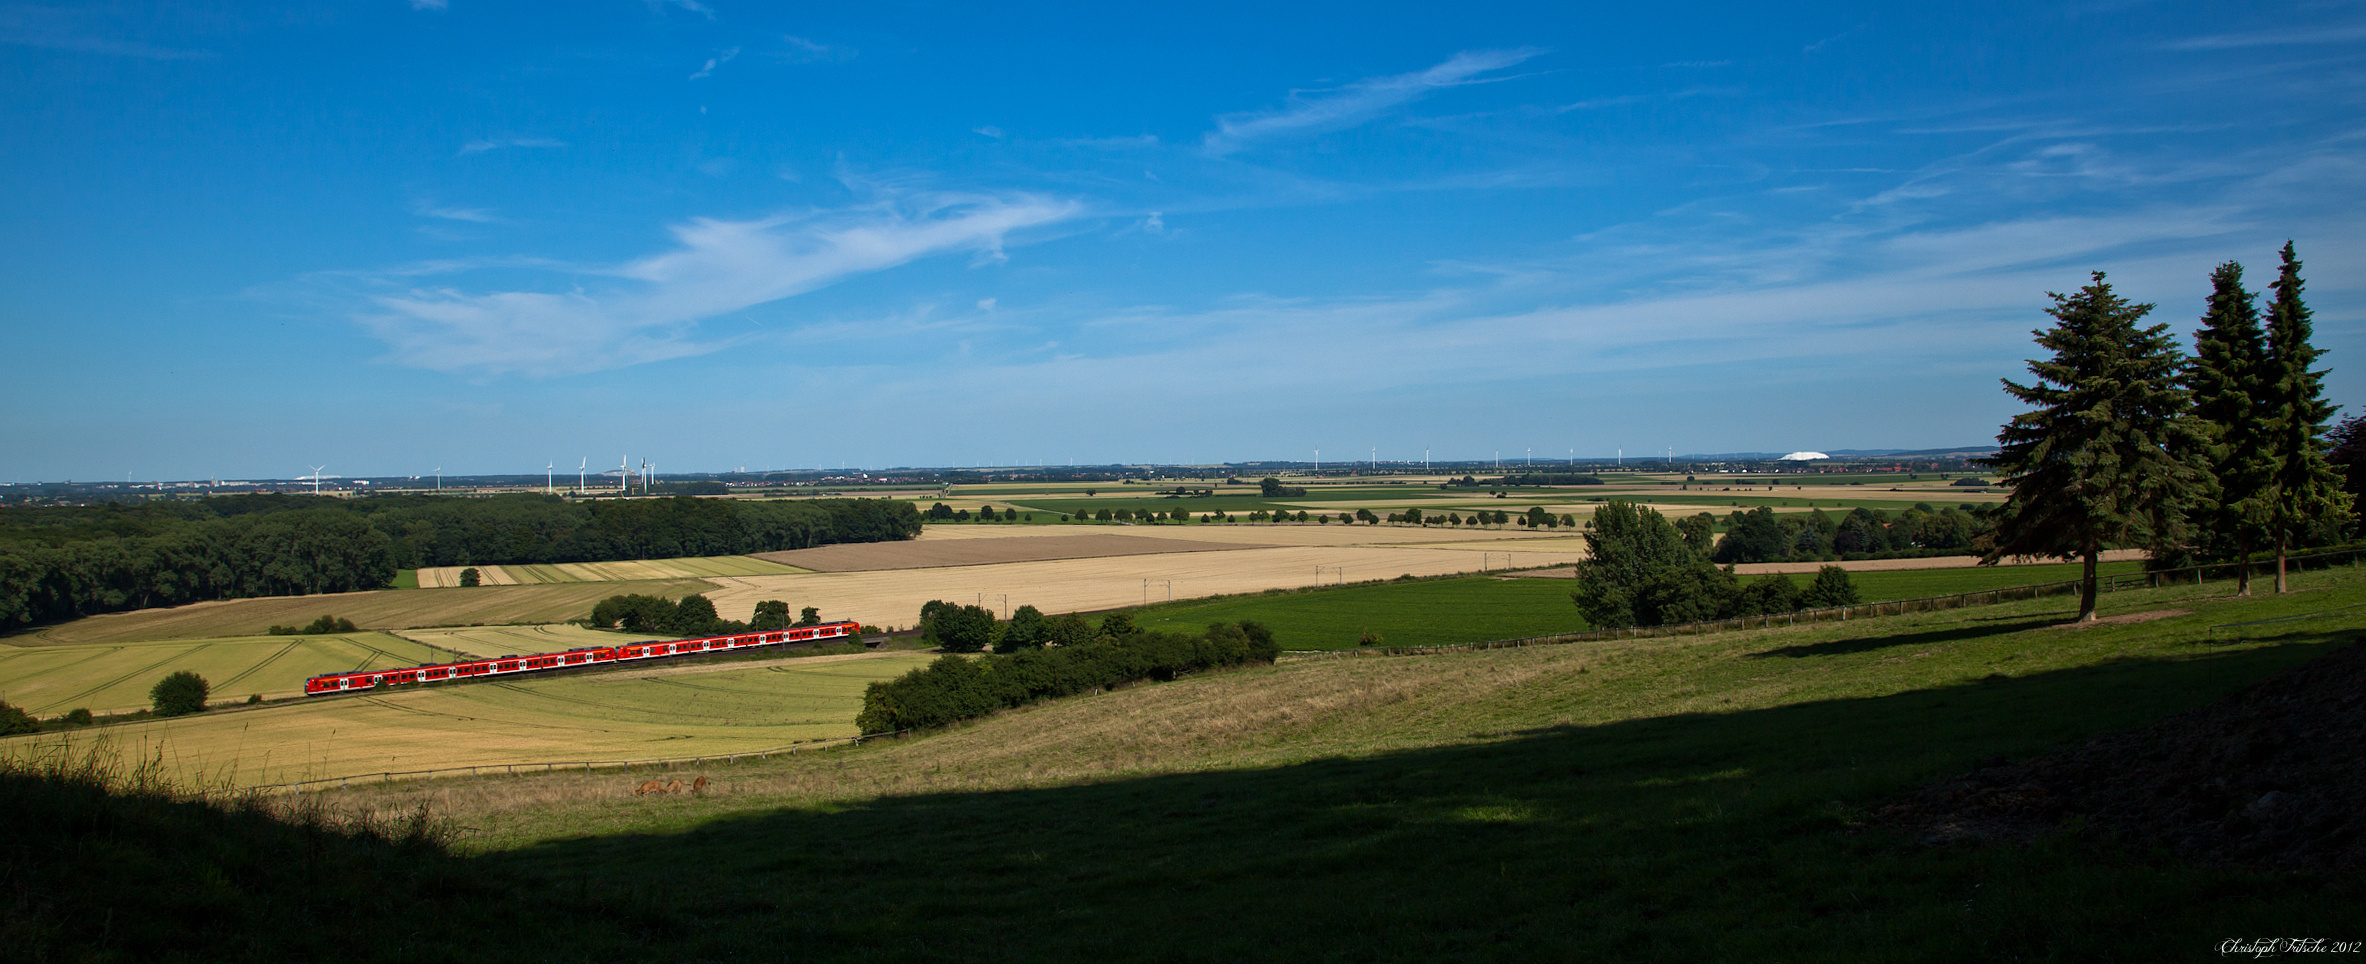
[2232, 390]
[2305, 487]
[2099, 460]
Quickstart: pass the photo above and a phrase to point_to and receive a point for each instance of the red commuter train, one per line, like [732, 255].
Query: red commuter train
[629, 652]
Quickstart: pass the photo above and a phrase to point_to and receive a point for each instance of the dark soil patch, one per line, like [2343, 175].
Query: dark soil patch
[2273, 776]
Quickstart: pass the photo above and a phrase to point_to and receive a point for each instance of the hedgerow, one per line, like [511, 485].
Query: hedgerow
[956, 688]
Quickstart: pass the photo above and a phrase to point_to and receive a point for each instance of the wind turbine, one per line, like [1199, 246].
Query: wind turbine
[316, 477]
[549, 485]
[439, 476]
[579, 473]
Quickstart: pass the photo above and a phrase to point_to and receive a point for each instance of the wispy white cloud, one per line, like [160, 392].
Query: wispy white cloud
[1621, 100]
[436, 5]
[499, 143]
[70, 29]
[988, 130]
[692, 6]
[803, 51]
[648, 309]
[714, 62]
[2347, 33]
[1311, 112]
[470, 215]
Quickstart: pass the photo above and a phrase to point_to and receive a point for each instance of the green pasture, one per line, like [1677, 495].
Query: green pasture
[106, 678]
[1413, 613]
[1480, 608]
[1691, 798]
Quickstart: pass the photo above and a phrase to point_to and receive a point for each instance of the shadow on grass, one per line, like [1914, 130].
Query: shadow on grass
[1991, 626]
[1702, 836]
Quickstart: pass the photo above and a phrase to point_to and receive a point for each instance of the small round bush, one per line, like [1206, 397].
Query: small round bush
[181, 693]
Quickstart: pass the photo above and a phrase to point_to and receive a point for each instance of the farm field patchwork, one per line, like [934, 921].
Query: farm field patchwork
[863, 557]
[112, 678]
[378, 609]
[694, 567]
[892, 598]
[1623, 786]
[1482, 608]
[664, 711]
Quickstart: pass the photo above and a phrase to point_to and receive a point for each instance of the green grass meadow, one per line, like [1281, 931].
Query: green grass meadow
[1685, 798]
[1436, 612]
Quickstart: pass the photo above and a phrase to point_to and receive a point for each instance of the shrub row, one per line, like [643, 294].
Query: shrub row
[956, 688]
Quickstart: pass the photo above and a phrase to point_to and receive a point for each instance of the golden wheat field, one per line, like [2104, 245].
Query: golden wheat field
[115, 678]
[439, 577]
[893, 598]
[657, 712]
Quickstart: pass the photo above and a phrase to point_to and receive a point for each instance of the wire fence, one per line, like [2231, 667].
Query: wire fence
[586, 766]
[1893, 607]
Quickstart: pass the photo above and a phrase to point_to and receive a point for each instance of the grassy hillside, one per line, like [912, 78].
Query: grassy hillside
[674, 710]
[1689, 798]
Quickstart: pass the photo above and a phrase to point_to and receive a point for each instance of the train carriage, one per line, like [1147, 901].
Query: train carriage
[585, 656]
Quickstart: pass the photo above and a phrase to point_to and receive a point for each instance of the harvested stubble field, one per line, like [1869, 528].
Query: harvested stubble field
[894, 597]
[1682, 798]
[663, 711]
[378, 609]
[941, 553]
[115, 678]
[622, 571]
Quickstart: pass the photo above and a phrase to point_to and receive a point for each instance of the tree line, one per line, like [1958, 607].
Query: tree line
[2129, 442]
[1643, 570]
[693, 616]
[1763, 535]
[959, 687]
[59, 563]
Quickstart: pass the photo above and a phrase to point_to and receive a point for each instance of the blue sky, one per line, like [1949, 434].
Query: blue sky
[237, 242]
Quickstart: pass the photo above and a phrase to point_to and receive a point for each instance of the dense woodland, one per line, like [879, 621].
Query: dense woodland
[63, 562]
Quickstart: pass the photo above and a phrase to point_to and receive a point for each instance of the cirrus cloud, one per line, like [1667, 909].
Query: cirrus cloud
[648, 309]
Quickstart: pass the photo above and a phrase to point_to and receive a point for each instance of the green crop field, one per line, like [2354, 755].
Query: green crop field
[672, 710]
[1476, 609]
[1417, 613]
[108, 678]
[1683, 798]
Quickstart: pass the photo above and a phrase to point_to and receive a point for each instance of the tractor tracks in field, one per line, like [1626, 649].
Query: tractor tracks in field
[265, 661]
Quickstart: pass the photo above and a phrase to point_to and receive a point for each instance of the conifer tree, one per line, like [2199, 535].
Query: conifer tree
[2098, 461]
[2305, 488]
[2232, 390]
